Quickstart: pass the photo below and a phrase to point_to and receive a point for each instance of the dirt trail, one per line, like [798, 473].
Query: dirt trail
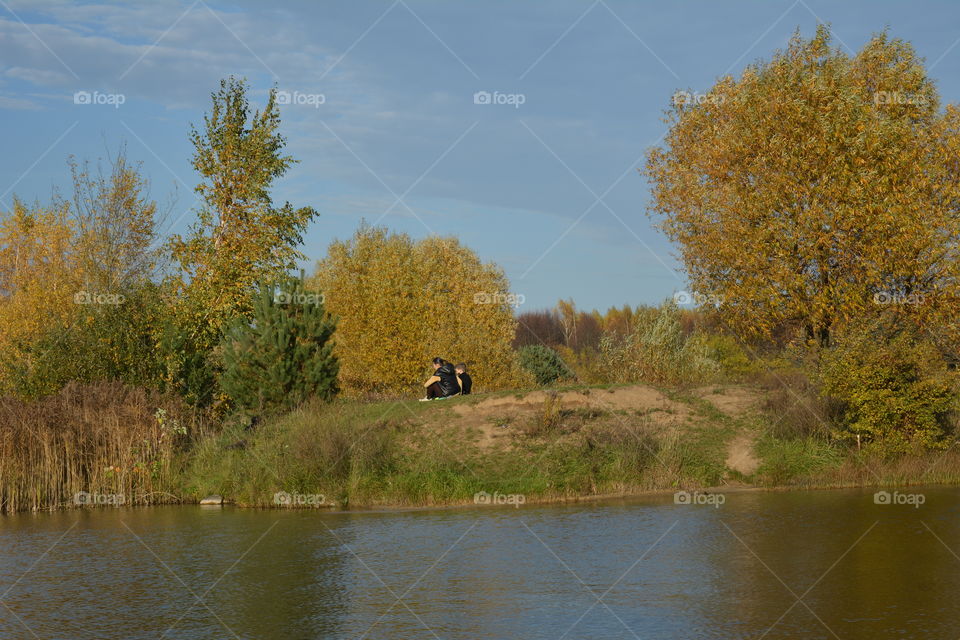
[740, 454]
[735, 402]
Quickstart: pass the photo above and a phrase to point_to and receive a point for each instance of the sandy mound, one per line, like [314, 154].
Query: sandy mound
[733, 401]
[492, 418]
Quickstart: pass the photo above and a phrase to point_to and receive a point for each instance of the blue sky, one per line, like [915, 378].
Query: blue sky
[548, 189]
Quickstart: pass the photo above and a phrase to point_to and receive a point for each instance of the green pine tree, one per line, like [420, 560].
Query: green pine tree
[284, 355]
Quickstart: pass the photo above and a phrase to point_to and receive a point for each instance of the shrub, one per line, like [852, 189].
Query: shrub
[284, 356]
[543, 363]
[795, 406]
[896, 390]
[659, 350]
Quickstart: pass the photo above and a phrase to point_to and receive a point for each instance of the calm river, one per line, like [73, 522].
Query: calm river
[826, 564]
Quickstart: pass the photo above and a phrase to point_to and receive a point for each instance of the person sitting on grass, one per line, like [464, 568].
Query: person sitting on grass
[443, 383]
[465, 380]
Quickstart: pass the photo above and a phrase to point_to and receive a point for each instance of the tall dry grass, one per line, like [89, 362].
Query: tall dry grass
[95, 443]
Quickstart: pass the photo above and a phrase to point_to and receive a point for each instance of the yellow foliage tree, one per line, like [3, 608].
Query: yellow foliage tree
[816, 189]
[401, 302]
[37, 278]
[75, 289]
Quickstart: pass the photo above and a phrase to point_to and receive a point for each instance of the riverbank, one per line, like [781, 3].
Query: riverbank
[111, 445]
[531, 447]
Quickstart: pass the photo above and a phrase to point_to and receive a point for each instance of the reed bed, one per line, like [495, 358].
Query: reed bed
[89, 445]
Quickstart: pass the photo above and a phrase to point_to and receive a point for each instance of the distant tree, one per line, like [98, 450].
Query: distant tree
[538, 327]
[588, 332]
[815, 188]
[285, 355]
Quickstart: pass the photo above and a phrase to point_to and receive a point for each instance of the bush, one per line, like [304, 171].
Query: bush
[284, 356]
[896, 390]
[659, 350]
[795, 407]
[543, 363]
[732, 359]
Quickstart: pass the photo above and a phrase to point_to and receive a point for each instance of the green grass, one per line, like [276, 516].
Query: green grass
[786, 462]
[391, 453]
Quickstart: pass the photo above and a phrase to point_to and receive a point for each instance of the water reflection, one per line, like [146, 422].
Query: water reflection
[812, 565]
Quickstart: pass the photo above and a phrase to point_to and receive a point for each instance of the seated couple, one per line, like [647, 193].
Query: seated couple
[447, 380]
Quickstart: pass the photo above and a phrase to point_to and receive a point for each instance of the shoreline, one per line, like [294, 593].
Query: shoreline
[535, 502]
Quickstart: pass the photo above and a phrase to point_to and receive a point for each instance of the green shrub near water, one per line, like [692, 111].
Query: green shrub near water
[896, 390]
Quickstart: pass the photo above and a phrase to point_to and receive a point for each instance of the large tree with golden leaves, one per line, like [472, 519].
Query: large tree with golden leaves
[400, 302]
[816, 189]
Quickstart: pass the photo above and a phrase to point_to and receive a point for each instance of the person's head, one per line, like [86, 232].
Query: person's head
[438, 362]
[461, 368]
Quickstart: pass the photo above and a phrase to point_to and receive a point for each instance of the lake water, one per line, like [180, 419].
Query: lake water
[826, 564]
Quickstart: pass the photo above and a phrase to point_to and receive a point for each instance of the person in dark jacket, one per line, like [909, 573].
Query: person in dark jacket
[466, 382]
[443, 383]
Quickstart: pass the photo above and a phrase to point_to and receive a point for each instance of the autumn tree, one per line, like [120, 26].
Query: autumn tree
[816, 189]
[77, 300]
[240, 237]
[400, 302]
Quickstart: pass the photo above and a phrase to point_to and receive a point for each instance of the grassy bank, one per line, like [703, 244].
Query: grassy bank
[543, 445]
[106, 442]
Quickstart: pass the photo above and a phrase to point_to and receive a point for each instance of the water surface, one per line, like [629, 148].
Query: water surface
[828, 564]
